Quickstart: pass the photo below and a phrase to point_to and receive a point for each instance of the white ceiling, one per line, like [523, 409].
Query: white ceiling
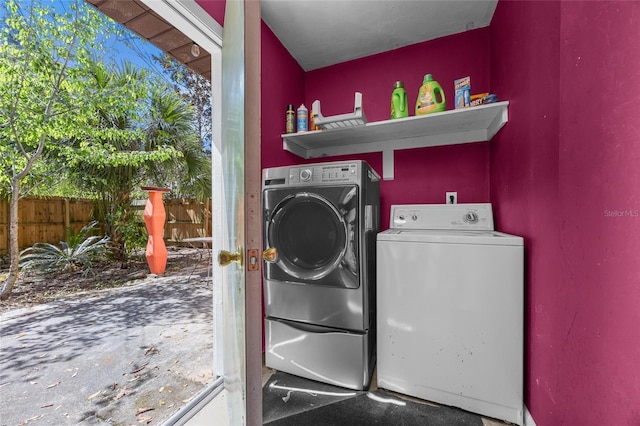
[319, 33]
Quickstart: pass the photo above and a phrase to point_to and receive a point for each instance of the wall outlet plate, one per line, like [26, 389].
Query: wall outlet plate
[451, 198]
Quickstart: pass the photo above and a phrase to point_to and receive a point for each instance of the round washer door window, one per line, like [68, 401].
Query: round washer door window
[310, 234]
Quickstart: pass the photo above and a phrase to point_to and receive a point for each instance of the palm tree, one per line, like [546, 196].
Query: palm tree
[157, 121]
[171, 122]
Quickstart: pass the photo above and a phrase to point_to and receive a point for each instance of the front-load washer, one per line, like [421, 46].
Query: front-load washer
[450, 309]
[319, 293]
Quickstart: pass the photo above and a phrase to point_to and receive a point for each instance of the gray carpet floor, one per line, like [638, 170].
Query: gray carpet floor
[294, 401]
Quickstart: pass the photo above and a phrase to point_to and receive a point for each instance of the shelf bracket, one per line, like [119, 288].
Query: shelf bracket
[387, 164]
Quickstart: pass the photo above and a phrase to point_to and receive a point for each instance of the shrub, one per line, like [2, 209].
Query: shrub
[78, 252]
[134, 235]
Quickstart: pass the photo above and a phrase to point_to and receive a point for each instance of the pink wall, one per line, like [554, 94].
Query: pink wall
[565, 175]
[421, 175]
[600, 178]
[524, 176]
[282, 84]
[215, 8]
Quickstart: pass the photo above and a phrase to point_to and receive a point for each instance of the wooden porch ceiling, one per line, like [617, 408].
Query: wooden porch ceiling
[137, 17]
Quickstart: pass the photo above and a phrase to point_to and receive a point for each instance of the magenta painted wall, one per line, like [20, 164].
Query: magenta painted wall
[421, 175]
[282, 84]
[215, 8]
[525, 40]
[565, 175]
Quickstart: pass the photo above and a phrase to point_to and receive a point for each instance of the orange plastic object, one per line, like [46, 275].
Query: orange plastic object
[154, 217]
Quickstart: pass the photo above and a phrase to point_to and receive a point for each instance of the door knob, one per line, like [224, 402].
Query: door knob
[270, 255]
[226, 257]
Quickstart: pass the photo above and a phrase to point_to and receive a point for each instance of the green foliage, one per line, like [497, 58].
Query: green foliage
[78, 252]
[132, 231]
[63, 187]
[142, 141]
[43, 97]
[60, 102]
[194, 88]
[171, 122]
[192, 179]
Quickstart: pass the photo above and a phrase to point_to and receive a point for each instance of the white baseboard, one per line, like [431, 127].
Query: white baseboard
[528, 418]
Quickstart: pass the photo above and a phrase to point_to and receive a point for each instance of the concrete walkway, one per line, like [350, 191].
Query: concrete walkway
[126, 356]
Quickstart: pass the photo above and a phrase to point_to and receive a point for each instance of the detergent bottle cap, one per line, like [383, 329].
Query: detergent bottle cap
[398, 85]
[428, 78]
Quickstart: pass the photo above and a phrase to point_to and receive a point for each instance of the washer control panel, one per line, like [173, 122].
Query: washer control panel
[442, 216]
[347, 172]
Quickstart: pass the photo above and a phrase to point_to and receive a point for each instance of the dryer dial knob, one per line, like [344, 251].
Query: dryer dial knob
[471, 217]
[305, 175]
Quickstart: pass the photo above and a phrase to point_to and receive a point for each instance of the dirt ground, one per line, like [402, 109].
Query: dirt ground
[33, 288]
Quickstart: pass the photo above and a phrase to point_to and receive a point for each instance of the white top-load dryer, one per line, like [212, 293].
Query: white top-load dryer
[450, 309]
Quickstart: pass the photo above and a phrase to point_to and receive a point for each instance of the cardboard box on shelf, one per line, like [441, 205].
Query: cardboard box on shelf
[463, 92]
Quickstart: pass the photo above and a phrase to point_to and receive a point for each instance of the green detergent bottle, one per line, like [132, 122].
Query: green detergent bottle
[430, 97]
[399, 104]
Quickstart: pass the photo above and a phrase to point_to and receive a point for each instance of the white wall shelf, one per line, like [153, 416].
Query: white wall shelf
[451, 127]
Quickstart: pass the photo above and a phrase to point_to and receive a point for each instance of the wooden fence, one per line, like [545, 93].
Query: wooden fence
[47, 219]
[186, 218]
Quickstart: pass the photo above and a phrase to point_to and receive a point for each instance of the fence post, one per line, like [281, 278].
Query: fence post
[67, 214]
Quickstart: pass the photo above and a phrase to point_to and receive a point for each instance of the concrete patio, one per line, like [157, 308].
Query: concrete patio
[131, 355]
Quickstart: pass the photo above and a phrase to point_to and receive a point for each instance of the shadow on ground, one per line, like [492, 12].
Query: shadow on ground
[131, 355]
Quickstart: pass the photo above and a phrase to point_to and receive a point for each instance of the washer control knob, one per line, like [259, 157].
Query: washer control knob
[414, 217]
[305, 175]
[471, 217]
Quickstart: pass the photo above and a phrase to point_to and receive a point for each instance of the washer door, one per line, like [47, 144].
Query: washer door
[314, 237]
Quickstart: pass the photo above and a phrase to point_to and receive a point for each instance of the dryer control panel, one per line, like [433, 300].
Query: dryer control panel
[347, 172]
[442, 216]
[355, 172]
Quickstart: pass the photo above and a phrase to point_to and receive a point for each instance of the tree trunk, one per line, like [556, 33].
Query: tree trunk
[14, 254]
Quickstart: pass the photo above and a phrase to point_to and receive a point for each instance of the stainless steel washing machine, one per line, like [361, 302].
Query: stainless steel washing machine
[322, 220]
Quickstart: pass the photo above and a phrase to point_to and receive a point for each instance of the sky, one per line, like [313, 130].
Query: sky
[136, 50]
[130, 47]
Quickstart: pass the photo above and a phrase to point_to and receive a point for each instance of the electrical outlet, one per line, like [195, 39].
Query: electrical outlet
[452, 198]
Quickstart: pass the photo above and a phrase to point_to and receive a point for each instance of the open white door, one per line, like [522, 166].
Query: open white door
[236, 206]
[241, 176]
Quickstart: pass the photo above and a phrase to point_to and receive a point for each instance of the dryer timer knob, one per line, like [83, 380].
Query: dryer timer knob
[471, 217]
[305, 174]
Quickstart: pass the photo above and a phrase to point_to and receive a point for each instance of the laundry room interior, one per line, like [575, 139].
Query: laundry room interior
[562, 173]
